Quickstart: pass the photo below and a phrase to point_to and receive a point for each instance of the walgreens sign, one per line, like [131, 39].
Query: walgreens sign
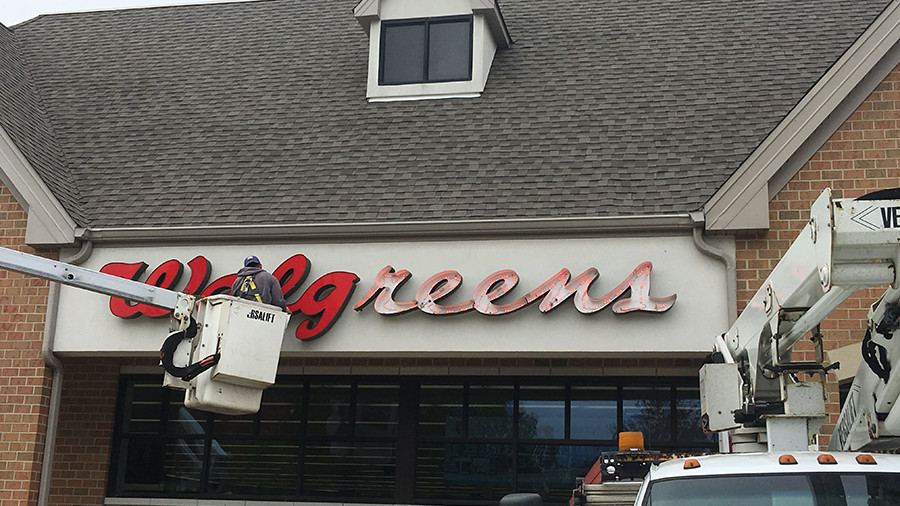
[319, 304]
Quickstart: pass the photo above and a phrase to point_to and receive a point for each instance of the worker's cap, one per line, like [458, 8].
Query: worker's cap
[251, 260]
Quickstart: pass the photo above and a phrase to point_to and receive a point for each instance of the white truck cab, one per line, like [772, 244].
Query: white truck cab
[774, 479]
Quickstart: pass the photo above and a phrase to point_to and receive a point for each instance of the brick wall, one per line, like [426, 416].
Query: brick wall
[862, 156]
[87, 417]
[24, 380]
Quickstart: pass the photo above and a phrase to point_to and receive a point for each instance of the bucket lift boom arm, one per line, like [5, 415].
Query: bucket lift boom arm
[847, 245]
[180, 304]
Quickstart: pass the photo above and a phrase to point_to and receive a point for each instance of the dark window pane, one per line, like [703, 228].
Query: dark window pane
[594, 412]
[329, 410]
[440, 411]
[160, 466]
[450, 44]
[490, 411]
[254, 468]
[542, 412]
[242, 425]
[340, 470]
[185, 421]
[281, 409]
[687, 416]
[377, 409]
[550, 470]
[648, 410]
[455, 471]
[403, 53]
[146, 408]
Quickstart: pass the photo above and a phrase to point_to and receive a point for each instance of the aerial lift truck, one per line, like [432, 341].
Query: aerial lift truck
[222, 351]
[760, 399]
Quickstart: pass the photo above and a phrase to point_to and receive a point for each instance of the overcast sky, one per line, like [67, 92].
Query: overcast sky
[15, 11]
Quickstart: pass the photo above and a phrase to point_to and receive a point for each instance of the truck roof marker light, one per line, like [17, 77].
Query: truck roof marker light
[866, 459]
[691, 464]
[826, 458]
[787, 460]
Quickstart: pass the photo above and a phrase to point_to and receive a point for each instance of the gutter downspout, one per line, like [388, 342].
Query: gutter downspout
[55, 366]
[726, 257]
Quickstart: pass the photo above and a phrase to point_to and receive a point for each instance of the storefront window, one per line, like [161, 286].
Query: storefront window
[542, 412]
[335, 470]
[393, 439]
[441, 410]
[472, 472]
[549, 469]
[648, 409]
[490, 411]
[595, 411]
[329, 410]
[687, 416]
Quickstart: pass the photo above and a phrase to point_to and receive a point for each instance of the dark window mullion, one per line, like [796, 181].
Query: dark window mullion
[427, 51]
[515, 439]
[673, 413]
[405, 474]
[301, 444]
[567, 423]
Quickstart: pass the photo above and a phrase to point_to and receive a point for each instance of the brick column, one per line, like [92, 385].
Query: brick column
[24, 380]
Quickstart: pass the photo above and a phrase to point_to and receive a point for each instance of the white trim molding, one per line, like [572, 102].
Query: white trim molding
[48, 222]
[489, 33]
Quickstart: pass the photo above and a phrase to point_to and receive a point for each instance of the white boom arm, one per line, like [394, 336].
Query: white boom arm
[181, 304]
[846, 246]
[241, 343]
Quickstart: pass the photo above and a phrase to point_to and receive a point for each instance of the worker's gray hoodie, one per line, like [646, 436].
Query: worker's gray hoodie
[269, 288]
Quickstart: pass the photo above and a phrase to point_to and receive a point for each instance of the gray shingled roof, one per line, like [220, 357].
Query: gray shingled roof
[23, 118]
[256, 113]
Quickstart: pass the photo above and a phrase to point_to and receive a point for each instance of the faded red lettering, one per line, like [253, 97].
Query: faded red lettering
[386, 282]
[437, 287]
[638, 282]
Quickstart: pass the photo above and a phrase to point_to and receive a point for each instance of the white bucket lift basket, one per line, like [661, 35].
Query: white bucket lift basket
[248, 336]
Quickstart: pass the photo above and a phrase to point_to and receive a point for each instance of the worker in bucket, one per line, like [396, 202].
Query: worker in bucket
[254, 283]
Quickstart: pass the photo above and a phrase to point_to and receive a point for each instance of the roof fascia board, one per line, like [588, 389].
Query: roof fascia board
[367, 11]
[737, 205]
[490, 9]
[425, 230]
[48, 222]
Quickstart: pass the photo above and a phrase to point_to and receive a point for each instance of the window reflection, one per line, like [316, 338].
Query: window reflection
[542, 412]
[549, 470]
[648, 409]
[688, 416]
[329, 410]
[594, 412]
[281, 410]
[440, 410]
[490, 411]
[377, 409]
[453, 471]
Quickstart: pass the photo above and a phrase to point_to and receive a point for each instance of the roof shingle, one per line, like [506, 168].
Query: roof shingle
[255, 112]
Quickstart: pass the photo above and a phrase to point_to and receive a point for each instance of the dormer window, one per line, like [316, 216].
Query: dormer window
[426, 49]
[430, 50]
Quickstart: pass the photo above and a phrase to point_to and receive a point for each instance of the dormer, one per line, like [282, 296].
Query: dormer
[427, 49]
